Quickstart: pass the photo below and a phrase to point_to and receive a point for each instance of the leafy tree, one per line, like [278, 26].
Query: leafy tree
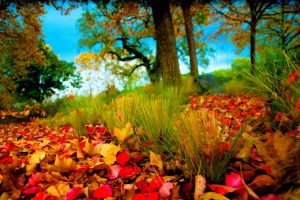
[235, 14]
[120, 30]
[41, 81]
[281, 26]
[20, 36]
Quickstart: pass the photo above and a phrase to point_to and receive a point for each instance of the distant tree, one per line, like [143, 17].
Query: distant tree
[234, 14]
[42, 81]
[281, 26]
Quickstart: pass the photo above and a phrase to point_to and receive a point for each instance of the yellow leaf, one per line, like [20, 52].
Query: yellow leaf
[91, 149]
[59, 190]
[124, 133]
[37, 157]
[30, 168]
[79, 150]
[5, 196]
[52, 191]
[86, 191]
[109, 152]
[66, 164]
[200, 185]
[155, 159]
[213, 196]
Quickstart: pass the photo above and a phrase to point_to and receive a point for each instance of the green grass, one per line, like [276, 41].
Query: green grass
[201, 143]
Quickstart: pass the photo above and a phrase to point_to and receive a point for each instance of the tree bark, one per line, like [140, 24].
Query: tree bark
[186, 5]
[165, 41]
[252, 46]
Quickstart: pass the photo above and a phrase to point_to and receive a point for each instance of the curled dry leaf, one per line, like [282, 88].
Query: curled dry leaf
[200, 185]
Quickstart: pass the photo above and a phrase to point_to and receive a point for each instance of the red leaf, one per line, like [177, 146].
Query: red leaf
[114, 171]
[153, 196]
[126, 172]
[256, 157]
[243, 193]
[136, 168]
[100, 129]
[233, 180]
[165, 190]
[143, 186]
[222, 189]
[31, 190]
[278, 117]
[90, 128]
[39, 196]
[292, 78]
[157, 182]
[139, 197]
[73, 193]
[6, 159]
[297, 105]
[103, 191]
[9, 146]
[34, 179]
[270, 197]
[150, 196]
[123, 158]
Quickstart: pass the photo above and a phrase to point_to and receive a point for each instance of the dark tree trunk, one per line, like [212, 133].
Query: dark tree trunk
[165, 41]
[252, 45]
[186, 5]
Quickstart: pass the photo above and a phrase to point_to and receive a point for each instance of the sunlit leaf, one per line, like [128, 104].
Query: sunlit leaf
[65, 164]
[109, 152]
[37, 157]
[155, 159]
[123, 134]
[58, 190]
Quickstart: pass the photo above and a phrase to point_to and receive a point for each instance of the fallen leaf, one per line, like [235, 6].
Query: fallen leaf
[109, 152]
[200, 185]
[39, 196]
[113, 172]
[65, 164]
[123, 134]
[155, 159]
[59, 190]
[233, 180]
[123, 158]
[213, 196]
[103, 191]
[165, 190]
[157, 182]
[73, 193]
[127, 172]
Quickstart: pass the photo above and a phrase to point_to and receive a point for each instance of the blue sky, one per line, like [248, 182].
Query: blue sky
[62, 34]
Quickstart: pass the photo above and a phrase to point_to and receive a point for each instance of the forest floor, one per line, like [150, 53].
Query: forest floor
[39, 162]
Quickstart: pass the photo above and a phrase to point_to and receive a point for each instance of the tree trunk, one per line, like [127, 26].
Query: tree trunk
[252, 45]
[165, 41]
[186, 5]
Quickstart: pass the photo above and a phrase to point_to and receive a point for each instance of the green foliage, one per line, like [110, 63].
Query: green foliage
[77, 111]
[231, 81]
[39, 82]
[271, 79]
